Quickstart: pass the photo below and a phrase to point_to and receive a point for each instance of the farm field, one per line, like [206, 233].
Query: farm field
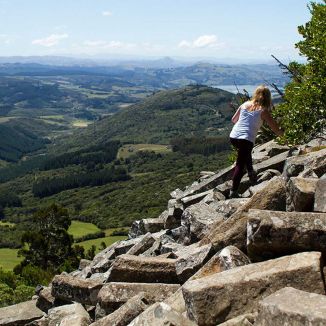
[8, 258]
[131, 149]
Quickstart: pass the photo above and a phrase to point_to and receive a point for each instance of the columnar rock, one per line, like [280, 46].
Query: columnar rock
[228, 258]
[194, 199]
[222, 296]
[144, 226]
[68, 315]
[128, 268]
[209, 183]
[198, 218]
[114, 294]
[300, 194]
[316, 161]
[233, 231]
[229, 206]
[126, 313]
[144, 244]
[273, 234]
[123, 246]
[161, 314]
[45, 299]
[191, 261]
[69, 288]
[276, 163]
[290, 306]
[20, 314]
[320, 196]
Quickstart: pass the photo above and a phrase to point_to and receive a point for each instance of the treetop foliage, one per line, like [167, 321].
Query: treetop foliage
[303, 111]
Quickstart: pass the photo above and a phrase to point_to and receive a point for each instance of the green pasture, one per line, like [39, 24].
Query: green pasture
[79, 229]
[9, 259]
[131, 149]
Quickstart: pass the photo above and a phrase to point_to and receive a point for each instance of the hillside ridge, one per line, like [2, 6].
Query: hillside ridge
[206, 259]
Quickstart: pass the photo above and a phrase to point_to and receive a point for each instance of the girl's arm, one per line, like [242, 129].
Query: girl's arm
[266, 116]
[236, 116]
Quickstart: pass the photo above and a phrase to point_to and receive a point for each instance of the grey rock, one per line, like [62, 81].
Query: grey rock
[181, 235]
[113, 295]
[211, 300]
[229, 206]
[300, 194]
[209, 183]
[68, 315]
[144, 244]
[233, 231]
[161, 314]
[84, 263]
[296, 164]
[267, 175]
[320, 196]
[126, 313]
[45, 299]
[191, 261]
[198, 218]
[290, 306]
[177, 193]
[128, 268]
[272, 234]
[65, 287]
[20, 314]
[242, 320]
[228, 258]
[194, 199]
[123, 246]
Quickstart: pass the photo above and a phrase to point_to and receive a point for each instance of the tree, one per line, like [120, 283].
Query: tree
[48, 245]
[303, 110]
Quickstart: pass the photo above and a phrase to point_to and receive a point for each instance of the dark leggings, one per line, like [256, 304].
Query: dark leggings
[244, 159]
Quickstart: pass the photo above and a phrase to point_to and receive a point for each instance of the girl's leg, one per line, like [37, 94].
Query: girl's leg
[238, 171]
[244, 159]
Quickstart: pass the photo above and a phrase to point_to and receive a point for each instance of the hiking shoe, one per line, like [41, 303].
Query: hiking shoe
[234, 194]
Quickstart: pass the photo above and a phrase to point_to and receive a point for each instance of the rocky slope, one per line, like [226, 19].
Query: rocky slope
[208, 260]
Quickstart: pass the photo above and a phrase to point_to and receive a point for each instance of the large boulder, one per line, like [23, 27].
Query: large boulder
[126, 313]
[69, 288]
[273, 234]
[290, 306]
[190, 261]
[161, 314]
[222, 296]
[233, 231]
[228, 258]
[209, 183]
[229, 206]
[315, 161]
[300, 194]
[115, 294]
[20, 314]
[198, 218]
[144, 244]
[320, 196]
[128, 268]
[68, 315]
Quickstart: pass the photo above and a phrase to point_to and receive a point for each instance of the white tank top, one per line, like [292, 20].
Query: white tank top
[248, 124]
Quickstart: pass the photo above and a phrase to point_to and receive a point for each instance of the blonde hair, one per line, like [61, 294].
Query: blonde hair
[262, 98]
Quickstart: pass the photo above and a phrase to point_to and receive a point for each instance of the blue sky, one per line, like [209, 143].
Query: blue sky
[216, 29]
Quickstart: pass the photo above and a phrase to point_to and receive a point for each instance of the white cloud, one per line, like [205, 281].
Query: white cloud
[51, 40]
[203, 41]
[109, 45]
[107, 13]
